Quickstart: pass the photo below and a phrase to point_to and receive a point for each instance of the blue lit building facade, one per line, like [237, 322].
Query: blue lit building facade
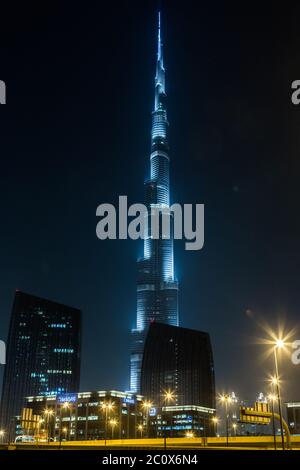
[157, 288]
[43, 353]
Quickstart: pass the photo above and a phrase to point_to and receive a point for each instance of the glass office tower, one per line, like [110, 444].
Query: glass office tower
[179, 360]
[43, 353]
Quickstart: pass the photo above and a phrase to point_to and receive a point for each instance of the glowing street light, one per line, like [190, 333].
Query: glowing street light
[113, 423]
[273, 381]
[189, 434]
[141, 428]
[215, 420]
[65, 432]
[234, 427]
[66, 406]
[48, 412]
[226, 400]
[107, 407]
[271, 399]
[279, 344]
[2, 432]
[169, 397]
[147, 405]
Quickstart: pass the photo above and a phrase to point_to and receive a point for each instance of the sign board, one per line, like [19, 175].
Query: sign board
[260, 414]
[67, 397]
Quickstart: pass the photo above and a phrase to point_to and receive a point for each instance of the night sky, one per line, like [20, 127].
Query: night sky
[76, 133]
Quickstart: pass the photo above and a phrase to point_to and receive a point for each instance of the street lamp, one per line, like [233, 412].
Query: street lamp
[278, 345]
[107, 407]
[38, 432]
[65, 406]
[271, 399]
[147, 405]
[2, 435]
[234, 426]
[113, 423]
[215, 420]
[169, 397]
[141, 428]
[48, 413]
[226, 400]
[65, 432]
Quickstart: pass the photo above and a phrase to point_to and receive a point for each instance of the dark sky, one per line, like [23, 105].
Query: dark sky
[76, 133]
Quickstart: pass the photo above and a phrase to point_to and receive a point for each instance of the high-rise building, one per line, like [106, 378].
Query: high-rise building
[43, 353]
[293, 416]
[157, 288]
[179, 361]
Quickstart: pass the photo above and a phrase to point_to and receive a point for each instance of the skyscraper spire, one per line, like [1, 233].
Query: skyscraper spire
[157, 289]
[159, 44]
[160, 71]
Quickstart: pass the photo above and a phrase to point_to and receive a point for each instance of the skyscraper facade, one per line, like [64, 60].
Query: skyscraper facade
[157, 288]
[179, 360]
[43, 353]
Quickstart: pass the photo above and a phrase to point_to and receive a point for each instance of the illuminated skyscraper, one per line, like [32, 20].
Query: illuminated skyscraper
[43, 353]
[157, 288]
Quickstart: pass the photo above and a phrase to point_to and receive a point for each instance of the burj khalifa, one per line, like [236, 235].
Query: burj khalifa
[157, 287]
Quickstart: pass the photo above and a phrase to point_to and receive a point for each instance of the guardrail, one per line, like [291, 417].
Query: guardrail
[263, 442]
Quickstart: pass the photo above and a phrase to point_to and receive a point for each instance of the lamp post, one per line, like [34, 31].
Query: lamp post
[40, 422]
[215, 421]
[271, 399]
[169, 397]
[65, 432]
[48, 413]
[226, 400]
[66, 406]
[279, 345]
[2, 435]
[234, 427]
[113, 423]
[106, 407]
[147, 405]
[141, 428]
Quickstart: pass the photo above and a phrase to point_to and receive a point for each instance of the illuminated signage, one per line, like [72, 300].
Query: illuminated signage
[152, 412]
[67, 397]
[130, 401]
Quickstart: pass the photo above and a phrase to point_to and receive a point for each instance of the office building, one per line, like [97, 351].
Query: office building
[43, 353]
[178, 367]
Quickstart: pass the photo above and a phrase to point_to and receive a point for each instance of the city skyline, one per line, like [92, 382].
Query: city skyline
[225, 153]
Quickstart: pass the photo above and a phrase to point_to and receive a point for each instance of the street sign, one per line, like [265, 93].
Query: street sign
[260, 414]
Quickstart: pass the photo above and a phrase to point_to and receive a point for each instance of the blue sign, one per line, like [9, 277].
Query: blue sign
[152, 412]
[67, 397]
[130, 401]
